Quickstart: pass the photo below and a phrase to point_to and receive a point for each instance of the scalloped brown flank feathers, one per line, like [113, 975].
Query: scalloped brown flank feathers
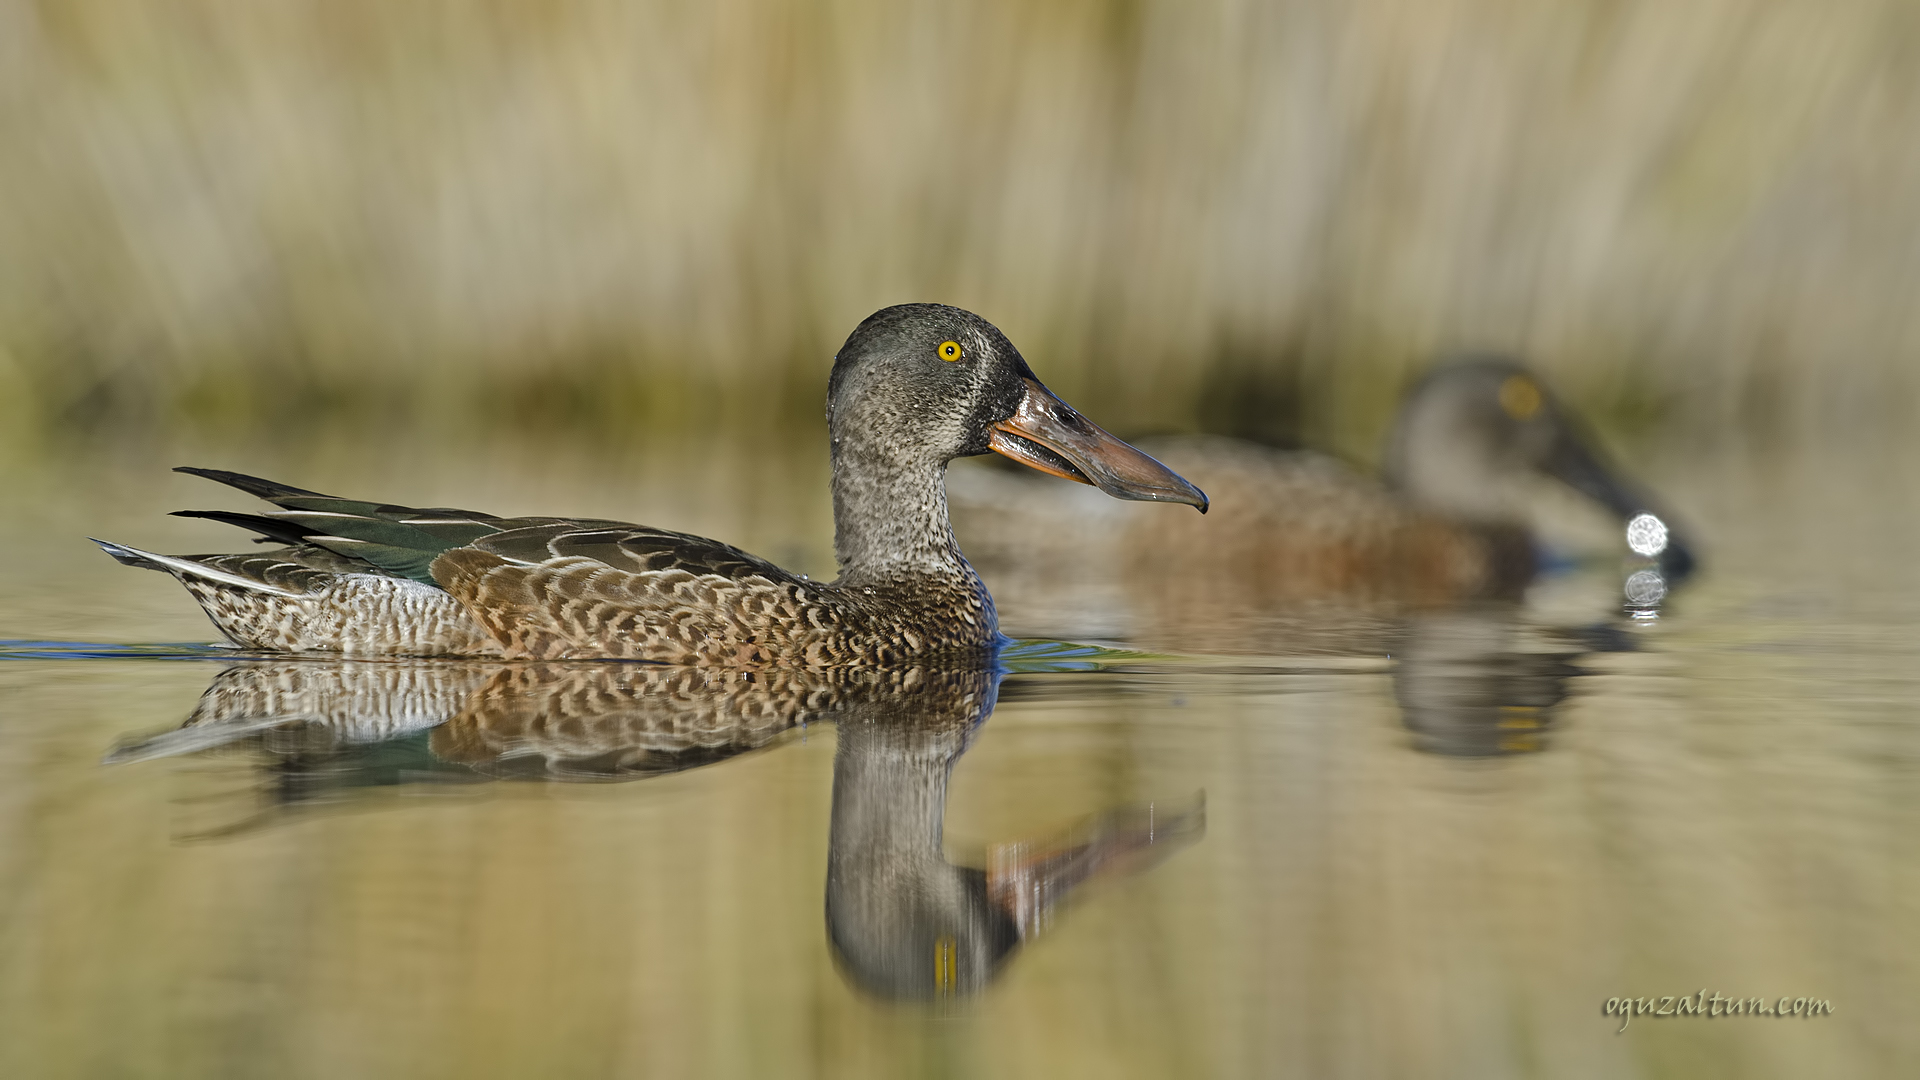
[562, 720]
[914, 387]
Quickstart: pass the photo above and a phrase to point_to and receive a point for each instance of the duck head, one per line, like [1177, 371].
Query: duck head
[1470, 430]
[922, 384]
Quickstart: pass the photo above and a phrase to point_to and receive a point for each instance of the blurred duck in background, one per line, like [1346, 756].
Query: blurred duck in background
[904, 921]
[1301, 539]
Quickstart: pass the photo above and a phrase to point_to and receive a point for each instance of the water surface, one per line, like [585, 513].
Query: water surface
[1439, 859]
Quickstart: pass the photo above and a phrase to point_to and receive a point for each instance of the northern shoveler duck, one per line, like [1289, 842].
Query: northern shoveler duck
[1298, 531]
[914, 387]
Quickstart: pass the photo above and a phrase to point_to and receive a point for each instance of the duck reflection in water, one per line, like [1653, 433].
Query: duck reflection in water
[904, 922]
[1304, 554]
[1480, 681]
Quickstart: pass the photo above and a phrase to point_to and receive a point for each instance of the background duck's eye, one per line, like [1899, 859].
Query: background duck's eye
[949, 350]
[1519, 397]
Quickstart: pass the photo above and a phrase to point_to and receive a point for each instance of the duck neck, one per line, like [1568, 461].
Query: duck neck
[897, 910]
[890, 796]
[890, 519]
[1447, 468]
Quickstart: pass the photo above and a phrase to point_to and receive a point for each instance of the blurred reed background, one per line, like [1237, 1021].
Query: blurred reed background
[594, 217]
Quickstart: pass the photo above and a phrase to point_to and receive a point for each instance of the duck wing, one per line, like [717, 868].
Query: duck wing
[568, 589]
[622, 546]
[403, 541]
[549, 588]
[321, 530]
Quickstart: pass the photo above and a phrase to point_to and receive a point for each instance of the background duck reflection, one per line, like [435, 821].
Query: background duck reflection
[904, 921]
[1469, 686]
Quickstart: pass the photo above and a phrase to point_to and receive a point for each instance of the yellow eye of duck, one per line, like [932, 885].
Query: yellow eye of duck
[949, 350]
[1519, 397]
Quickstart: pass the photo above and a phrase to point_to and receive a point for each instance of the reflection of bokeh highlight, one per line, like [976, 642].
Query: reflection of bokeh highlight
[1644, 589]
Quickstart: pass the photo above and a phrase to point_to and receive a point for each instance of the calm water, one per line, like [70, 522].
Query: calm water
[1298, 862]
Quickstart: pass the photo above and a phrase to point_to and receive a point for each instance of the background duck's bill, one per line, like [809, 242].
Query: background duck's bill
[1573, 463]
[1047, 434]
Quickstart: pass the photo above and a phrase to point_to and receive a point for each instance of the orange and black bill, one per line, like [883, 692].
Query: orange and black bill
[1045, 433]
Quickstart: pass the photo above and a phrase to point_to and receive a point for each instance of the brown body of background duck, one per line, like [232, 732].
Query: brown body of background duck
[1301, 546]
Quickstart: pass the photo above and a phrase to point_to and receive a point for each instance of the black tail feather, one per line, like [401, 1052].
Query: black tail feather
[252, 485]
[286, 532]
